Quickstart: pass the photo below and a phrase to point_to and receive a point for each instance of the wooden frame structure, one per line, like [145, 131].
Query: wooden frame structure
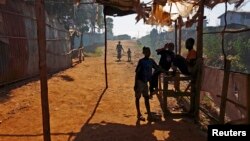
[43, 67]
[177, 92]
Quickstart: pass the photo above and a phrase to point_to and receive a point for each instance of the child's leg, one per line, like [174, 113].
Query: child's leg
[147, 105]
[153, 84]
[137, 104]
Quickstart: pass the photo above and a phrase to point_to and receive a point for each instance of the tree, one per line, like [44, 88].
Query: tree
[110, 26]
[212, 49]
[153, 37]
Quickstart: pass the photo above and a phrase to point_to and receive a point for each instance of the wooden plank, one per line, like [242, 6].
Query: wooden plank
[181, 78]
[41, 34]
[235, 103]
[178, 94]
[224, 92]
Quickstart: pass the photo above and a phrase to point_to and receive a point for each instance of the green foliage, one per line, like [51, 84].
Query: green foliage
[153, 37]
[87, 17]
[122, 37]
[212, 50]
[240, 62]
[237, 50]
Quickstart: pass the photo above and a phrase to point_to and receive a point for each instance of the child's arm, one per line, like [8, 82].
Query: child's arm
[137, 70]
[157, 67]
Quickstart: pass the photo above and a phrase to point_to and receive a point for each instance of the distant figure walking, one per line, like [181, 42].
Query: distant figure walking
[129, 55]
[119, 50]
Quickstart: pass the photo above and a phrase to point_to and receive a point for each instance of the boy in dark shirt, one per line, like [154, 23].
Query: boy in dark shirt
[142, 77]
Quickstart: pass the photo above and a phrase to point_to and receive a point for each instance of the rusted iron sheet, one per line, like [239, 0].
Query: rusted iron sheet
[237, 90]
[18, 43]
[16, 59]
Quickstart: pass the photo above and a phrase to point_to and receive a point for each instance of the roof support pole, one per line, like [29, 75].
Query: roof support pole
[41, 35]
[175, 36]
[179, 26]
[105, 50]
[199, 45]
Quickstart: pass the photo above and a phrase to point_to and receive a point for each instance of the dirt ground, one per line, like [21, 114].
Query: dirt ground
[82, 110]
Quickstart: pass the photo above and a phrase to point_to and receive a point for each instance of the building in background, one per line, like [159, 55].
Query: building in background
[233, 17]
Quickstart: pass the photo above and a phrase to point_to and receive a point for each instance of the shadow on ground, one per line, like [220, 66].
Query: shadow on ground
[66, 78]
[170, 130]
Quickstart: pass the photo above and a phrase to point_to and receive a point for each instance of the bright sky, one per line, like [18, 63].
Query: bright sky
[126, 24]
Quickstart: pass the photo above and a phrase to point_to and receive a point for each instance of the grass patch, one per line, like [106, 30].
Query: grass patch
[98, 52]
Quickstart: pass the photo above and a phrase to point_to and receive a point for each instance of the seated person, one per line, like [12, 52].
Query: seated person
[186, 65]
[167, 56]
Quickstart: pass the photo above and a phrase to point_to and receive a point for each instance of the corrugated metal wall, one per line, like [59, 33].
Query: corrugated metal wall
[18, 43]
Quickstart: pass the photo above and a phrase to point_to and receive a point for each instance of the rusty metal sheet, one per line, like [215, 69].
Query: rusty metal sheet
[18, 43]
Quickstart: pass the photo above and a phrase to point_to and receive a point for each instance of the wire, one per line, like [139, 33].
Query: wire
[222, 36]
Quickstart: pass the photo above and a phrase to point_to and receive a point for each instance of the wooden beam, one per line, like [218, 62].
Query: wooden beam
[170, 93]
[105, 50]
[199, 45]
[224, 92]
[181, 78]
[235, 103]
[41, 34]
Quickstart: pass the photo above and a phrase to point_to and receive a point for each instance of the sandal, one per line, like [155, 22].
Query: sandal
[141, 118]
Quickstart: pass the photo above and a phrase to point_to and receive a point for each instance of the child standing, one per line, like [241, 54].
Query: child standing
[143, 76]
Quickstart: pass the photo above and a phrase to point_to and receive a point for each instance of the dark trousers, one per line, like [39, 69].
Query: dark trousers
[153, 83]
[181, 63]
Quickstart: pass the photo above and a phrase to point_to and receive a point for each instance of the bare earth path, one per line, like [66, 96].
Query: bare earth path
[80, 109]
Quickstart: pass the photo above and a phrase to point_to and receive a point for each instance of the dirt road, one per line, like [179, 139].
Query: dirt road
[81, 109]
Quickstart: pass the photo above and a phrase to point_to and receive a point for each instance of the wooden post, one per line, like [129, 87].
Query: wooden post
[81, 48]
[224, 92]
[159, 82]
[175, 36]
[164, 99]
[248, 100]
[105, 51]
[179, 25]
[41, 36]
[177, 82]
[199, 45]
